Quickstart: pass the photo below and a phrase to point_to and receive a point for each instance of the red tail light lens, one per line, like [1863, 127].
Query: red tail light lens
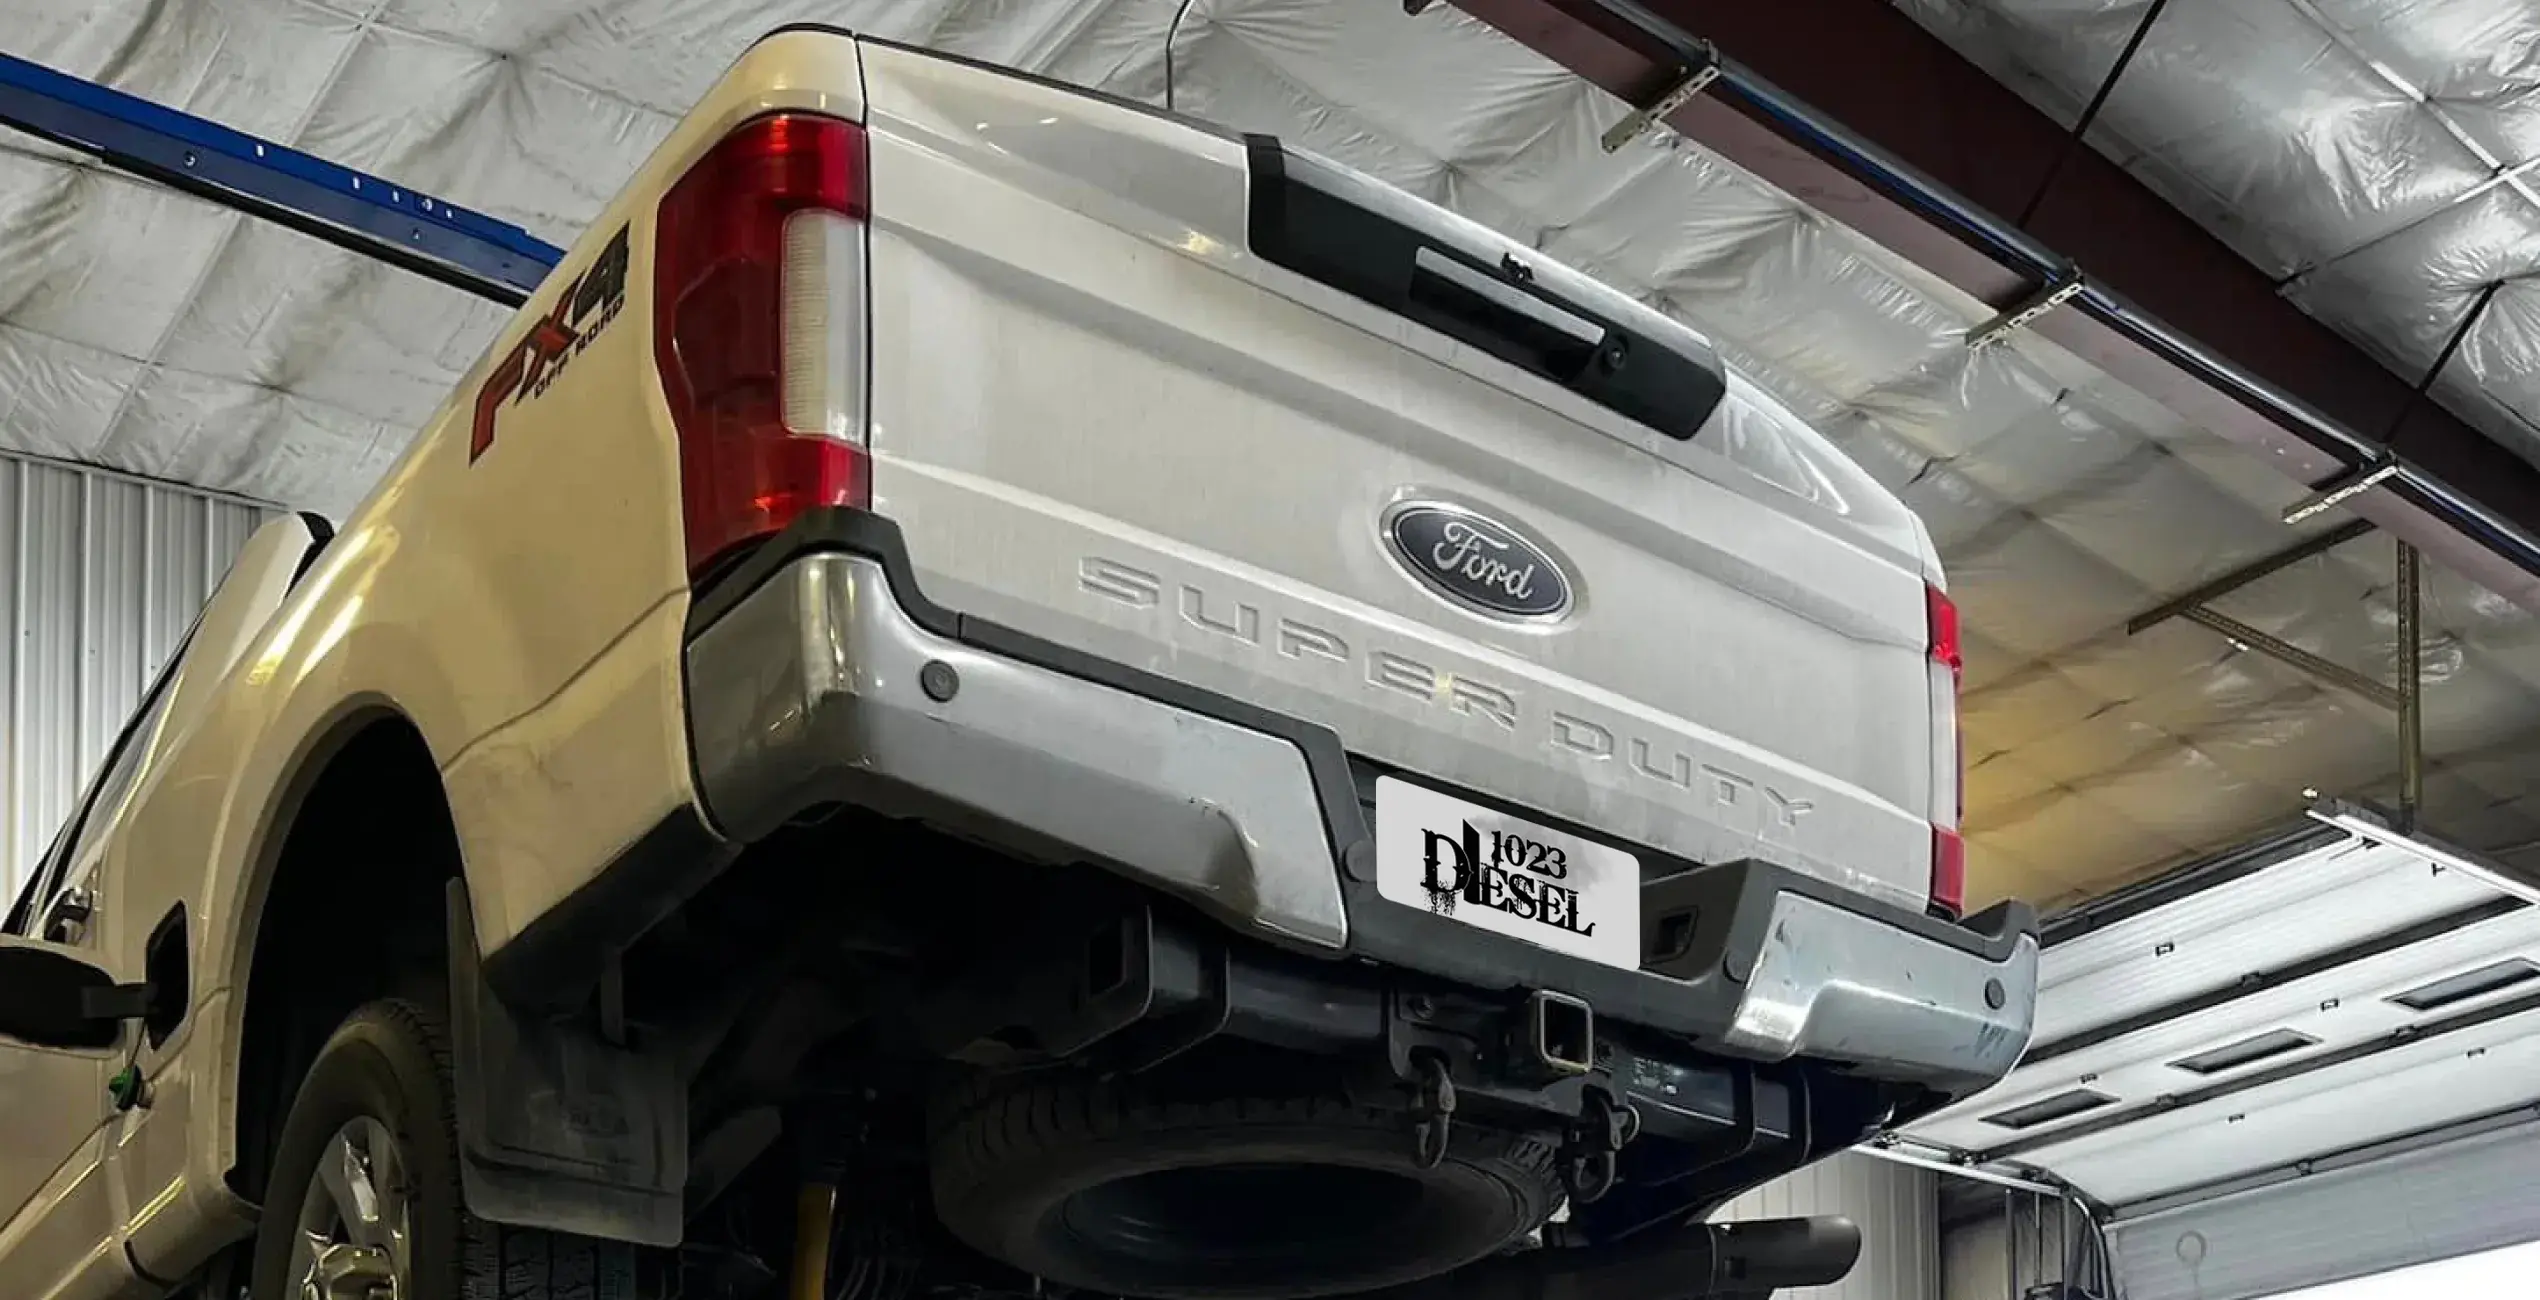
[1948, 872]
[1942, 615]
[723, 294]
[1948, 848]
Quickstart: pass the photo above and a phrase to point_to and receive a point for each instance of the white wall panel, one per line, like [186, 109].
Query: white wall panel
[1897, 1207]
[100, 576]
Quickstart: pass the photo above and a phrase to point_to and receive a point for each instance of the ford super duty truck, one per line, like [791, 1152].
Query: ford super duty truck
[992, 692]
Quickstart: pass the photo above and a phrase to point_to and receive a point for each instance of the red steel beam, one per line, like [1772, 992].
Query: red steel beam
[1896, 87]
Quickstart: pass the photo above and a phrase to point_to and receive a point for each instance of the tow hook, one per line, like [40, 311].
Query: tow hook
[1432, 1111]
[1596, 1142]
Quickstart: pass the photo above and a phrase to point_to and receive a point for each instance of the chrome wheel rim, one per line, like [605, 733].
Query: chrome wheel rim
[353, 1239]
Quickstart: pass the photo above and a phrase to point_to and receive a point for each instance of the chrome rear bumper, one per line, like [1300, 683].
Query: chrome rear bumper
[829, 678]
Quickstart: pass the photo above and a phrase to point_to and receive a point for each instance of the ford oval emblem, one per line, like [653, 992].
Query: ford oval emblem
[1477, 561]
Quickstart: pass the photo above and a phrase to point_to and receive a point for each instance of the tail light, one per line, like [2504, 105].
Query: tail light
[759, 329]
[1948, 846]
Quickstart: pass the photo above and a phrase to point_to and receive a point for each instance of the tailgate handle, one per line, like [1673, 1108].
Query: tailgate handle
[1466, 301]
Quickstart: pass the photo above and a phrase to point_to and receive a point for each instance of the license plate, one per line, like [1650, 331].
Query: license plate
[1507, 875]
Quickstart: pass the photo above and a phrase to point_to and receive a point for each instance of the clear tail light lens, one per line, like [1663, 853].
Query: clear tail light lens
[823, 325]
[759, 303]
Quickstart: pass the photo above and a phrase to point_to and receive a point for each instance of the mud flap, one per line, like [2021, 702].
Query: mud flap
[557, 1128]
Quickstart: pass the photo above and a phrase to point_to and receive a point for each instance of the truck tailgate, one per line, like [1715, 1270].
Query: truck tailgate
[1102, 414]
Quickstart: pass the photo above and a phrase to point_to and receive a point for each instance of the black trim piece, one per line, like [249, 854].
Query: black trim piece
[2047, 1110]
[1302, 217]
[823, 29]
[321, 535]
[166, 967]
[553, 965]
[1738, 897]
[2248, 1051]
[2188, 880]
[2494, 977]
[147, 1277]
[2312, 1063]
[2256, 982]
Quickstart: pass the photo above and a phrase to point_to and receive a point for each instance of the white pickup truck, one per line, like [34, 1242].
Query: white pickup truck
[989, 691]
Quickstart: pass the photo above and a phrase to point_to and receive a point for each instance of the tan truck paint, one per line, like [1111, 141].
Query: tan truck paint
[522, 610]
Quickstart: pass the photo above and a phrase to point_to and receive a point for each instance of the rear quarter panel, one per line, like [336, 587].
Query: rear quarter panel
[519, 597]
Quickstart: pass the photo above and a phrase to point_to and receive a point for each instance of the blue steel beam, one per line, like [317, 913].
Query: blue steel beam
[344, 207]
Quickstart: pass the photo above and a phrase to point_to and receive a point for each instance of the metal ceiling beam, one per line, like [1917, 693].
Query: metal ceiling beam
[346, 208]
[2244, 637]
[1861, 114]
[2325, 540]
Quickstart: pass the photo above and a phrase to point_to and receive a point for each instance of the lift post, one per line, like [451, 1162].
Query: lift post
[349, 209]
[2411, 693]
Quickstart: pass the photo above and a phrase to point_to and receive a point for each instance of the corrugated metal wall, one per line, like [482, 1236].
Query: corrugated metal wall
[1897, 1207]
[100, 576]
[2017, 1243]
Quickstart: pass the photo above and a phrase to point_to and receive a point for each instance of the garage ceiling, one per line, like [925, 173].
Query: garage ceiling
[2380, 159]
[148, 332]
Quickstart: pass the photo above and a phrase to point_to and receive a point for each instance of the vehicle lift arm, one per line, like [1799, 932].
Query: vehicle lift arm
[361, 213]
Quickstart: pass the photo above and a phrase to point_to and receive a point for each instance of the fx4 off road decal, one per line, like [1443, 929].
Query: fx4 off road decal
[582, 312]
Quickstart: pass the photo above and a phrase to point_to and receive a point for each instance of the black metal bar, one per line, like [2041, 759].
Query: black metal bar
[2309, 1063]
[2460, 335]
[2257, 982]
[2213, 589]
[2074, 142]
[2339, 488]
[2411, 693]
[2285, 652]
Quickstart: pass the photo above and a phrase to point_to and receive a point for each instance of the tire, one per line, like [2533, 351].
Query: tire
[1110, 1189]
[386, 1073]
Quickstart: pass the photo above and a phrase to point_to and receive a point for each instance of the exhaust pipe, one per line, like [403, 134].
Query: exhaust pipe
[1701, 1261]
[1766, 1253]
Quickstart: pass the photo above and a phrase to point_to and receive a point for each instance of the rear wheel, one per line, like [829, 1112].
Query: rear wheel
[1106, 1188]
[364, 1198]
